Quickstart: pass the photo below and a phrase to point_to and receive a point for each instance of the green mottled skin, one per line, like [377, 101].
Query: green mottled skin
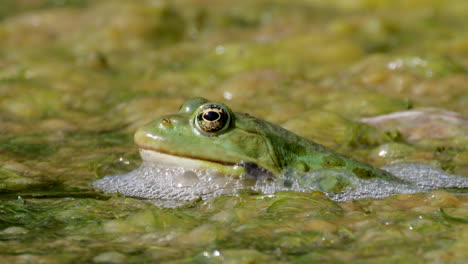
[247, 139]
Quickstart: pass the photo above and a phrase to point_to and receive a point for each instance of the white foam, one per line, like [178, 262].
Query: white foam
[172, 186]
[419, 178]
[169, 186]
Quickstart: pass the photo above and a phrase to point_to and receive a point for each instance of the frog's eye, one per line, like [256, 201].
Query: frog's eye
[211, 119]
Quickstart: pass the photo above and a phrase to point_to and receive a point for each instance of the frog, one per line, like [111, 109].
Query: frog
[208, 135]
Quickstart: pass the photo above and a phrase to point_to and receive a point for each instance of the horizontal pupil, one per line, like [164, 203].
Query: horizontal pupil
[211, 116]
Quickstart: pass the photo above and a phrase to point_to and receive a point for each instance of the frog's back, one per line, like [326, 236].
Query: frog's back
[300, 154]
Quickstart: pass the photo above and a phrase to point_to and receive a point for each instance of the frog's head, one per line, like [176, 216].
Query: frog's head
[208, 135]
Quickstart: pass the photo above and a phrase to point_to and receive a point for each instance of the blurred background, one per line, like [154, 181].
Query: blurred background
[78, 77]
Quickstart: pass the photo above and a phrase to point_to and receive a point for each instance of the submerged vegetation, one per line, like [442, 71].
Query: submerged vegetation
[77, 78]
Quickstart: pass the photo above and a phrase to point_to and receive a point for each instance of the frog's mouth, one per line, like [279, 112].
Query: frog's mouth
[171, 160]
[234, 169]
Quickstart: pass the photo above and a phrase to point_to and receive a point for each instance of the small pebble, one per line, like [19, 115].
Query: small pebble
[110, 257]
[14, 230]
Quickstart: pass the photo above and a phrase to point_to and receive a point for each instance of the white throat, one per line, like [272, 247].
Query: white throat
[155, 157]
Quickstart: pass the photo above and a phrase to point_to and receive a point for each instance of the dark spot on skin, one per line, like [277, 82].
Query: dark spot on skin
[363, 173]
[332, 161]
[301, 166]
[255, 172]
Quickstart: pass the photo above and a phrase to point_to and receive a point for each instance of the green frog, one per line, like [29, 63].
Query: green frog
[210, 136]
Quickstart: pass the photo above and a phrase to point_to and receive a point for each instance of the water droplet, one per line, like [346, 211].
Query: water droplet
[227, 95]
[219, 49]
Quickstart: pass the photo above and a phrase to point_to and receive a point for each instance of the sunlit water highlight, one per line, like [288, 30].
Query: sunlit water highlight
[172, 186]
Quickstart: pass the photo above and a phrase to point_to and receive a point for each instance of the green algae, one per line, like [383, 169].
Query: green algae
[78, 77]
[11, 181]
[279, 221]
[10, 8]
[452, 218]
[27, 147]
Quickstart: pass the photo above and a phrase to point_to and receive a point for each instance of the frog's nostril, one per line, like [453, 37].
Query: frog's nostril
[166, 121]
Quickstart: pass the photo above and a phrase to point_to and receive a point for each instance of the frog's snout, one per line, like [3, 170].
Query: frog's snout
[157, 131]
